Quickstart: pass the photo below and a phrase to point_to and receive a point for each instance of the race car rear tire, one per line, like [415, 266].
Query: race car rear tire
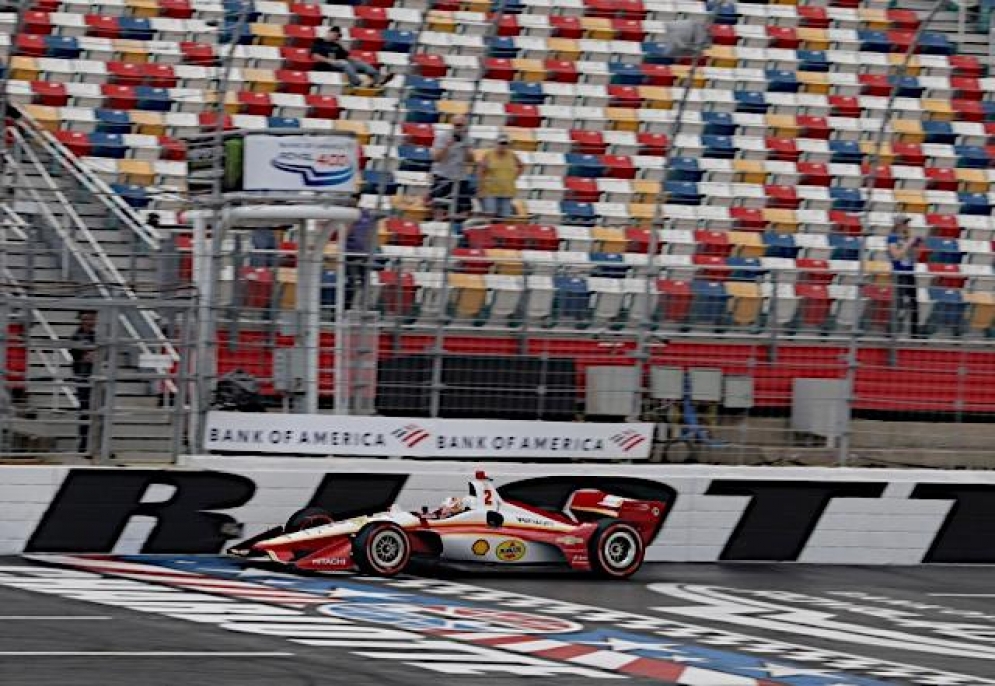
[308, 518]
[381, 549]
[616, 550]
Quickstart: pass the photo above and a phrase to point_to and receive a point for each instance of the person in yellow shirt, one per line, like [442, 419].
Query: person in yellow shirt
[498, 173]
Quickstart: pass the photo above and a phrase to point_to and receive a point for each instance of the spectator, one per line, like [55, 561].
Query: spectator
[498, 171]
[84, 355]
[330, 55]
[450, 159]
[686, 38]
[360, 247]
[903, 249]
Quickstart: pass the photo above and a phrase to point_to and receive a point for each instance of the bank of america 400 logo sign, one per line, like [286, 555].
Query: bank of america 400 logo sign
[316, 169]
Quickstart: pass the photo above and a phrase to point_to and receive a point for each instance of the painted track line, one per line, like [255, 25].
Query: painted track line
[136, 653]
[52, 618]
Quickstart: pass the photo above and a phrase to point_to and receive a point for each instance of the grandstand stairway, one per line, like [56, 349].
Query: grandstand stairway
[37, 257]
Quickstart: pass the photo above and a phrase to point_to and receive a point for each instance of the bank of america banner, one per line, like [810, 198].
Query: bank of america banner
[319, 434]
[300, 163]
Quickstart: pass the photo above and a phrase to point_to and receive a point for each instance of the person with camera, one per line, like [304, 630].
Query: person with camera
[903, 249]
[451, 156]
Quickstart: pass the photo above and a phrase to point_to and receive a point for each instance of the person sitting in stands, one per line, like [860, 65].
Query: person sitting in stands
[329, 55]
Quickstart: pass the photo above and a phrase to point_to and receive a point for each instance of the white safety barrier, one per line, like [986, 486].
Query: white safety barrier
[811, 515]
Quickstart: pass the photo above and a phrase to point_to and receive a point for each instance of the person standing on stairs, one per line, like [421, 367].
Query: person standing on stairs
[84, 354]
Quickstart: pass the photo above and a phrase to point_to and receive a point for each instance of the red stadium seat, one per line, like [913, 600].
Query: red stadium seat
[581, 190]
[293, 81]
[542, 237]
[675, 300]
[50, 94]
[429, 66]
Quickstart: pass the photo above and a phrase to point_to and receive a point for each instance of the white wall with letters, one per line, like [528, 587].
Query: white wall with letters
[885, 525]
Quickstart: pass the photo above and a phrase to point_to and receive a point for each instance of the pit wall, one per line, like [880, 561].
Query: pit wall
[783, 514]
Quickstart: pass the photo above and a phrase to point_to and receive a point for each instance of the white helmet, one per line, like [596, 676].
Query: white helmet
[453, 506]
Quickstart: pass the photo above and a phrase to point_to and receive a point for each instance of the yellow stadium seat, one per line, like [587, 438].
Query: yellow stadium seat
[608, 239]
[747, 244]
[268, 34]
[813, 39]
[523, 140]
[657, 97]
[781, 220]
[643, 212]
[148, 123]
[47, 117]
[622, 118]
[411, 207]
[911, 201]
[908, 130]
[750, 171]
[232, 105]
[470, 294]
[131, 51]
[973, 180]
[723, 57]
[533, 71]
[563, 49]
[981, 315]
[815, 82]
[874, 19]
[451, 108]
[286, 278]
[878, 271]
[260, 80]
[645, 191]
[441, 22]
[482, 6]
[143, 9]
[24, 68]
[745, 302]
[783, 125]
[506, 261]
[938, 110]
[885, 154]
[138, 172]
[682, 72]
[597, 28]
[896, 60]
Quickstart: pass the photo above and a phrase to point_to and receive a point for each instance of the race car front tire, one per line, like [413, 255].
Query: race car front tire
[308, 518]
[616, 550]
[381, 549]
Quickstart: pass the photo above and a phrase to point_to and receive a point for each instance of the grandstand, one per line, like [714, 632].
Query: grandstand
[728, 211]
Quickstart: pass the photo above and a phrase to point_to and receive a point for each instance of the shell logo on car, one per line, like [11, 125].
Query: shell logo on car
[511, 550]
[480, 547]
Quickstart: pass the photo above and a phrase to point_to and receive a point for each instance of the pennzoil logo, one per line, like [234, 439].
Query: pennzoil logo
[480, 547]
[511, 550]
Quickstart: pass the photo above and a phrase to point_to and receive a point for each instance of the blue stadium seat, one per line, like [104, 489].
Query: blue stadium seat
[709, 302]
[584, 166]
[578, 213]
[974, 203]
[684, 169]
[107, 145]
[153, 99]
[718, 124]
[624, 74]
[941, 132]
[752, 102]
[328, 282]
[609, 265]
[283, 122]
[415, 158]
[424, 88]
[136, 196]
[63, 47]
[421, 111]
[135, 28]
[781, 81]
[744, 268]
[398, 41]
[682, 192]
[845, 152]
[113, 121]
[943, 250]
[719, 147]
[525, 93]
[780, 245]
[847, 199]
[813, 60]
[502, 48]
[573, 298]
[935, 44]
[373, 180]
[844, 247]
[948, 310]
[874, 41]
[907, 87]
[657, 53]
[971, 156]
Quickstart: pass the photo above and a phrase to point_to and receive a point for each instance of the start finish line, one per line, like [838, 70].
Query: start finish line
[318, 434]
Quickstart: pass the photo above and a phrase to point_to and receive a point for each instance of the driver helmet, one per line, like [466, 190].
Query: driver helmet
[454, 506]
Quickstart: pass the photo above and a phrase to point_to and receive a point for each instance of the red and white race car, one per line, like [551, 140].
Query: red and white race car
[596, 532]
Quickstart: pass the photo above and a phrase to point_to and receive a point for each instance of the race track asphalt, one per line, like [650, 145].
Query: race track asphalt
[719, 623]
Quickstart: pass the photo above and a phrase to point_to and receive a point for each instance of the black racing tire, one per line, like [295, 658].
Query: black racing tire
[381, 549]
[308, 518]
[616, 550]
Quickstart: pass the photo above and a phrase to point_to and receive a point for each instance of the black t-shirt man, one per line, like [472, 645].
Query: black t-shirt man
[331, 49]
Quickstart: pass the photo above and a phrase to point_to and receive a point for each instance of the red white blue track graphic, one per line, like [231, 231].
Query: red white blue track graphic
[447, 633]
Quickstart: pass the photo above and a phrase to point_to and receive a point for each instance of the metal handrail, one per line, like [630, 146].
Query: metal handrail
[105, 263]
[97, 187]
